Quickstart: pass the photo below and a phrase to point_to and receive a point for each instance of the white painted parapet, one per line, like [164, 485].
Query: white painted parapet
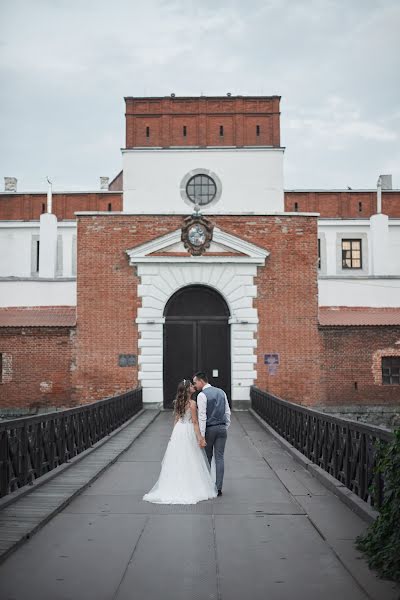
[37, 292]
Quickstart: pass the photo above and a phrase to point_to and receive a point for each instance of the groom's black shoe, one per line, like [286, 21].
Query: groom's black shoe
[219, 492]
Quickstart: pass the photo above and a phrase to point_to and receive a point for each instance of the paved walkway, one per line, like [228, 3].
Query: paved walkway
[275, 534]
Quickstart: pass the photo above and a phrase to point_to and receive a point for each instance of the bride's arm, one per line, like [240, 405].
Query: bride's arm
[195, 420]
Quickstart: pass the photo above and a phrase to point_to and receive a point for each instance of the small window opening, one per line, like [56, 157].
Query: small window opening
[296, 206]
[391, 370]
[147, 132]
[319, 253]
[43, 208]
[360, 207]
[257, 130]
[221, 130]
[109, 207]
[37, 255]
[184, 131]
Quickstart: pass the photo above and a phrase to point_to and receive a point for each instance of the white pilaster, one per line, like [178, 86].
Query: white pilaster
[48, 245]
[379, 235]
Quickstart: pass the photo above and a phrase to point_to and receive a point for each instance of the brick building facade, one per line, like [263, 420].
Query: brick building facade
[286, 301]
[133, 263]
[202, 122]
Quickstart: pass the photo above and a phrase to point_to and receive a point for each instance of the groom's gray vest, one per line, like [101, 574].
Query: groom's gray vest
[215, 406]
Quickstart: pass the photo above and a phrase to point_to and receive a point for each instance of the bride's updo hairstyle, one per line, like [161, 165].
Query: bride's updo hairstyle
[182, 394]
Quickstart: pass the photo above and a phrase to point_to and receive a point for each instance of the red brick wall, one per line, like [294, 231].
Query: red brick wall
[202, 117]
[391, 204]
[107, 300]
[27, 207]
[19, 206]
[40, 367]
[343, 204]
[353, 355]
[287, 302]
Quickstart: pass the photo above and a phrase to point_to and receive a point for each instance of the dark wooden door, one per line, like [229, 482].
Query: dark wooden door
[196, 338]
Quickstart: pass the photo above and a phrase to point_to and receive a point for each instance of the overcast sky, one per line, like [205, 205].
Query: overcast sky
[67, 64]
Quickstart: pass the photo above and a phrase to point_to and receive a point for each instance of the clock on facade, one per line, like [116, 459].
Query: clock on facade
[197, 234]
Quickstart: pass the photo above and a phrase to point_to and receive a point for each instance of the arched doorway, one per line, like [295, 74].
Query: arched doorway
[196, 337]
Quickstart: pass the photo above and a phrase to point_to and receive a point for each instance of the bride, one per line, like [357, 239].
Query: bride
[185, 476]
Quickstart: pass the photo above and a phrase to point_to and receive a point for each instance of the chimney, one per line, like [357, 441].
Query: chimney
[104, 183]
[386, 181]
[10, 184]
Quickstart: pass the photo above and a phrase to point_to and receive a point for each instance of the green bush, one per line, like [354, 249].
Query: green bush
[381, 542]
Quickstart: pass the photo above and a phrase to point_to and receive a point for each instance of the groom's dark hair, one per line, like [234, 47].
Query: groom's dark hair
[201, 375]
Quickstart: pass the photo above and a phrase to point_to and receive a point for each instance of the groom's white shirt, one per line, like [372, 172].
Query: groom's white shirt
[202, 410]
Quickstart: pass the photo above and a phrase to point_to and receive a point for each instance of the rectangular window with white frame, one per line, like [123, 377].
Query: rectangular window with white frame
[59, 264]
[321, 261]
[74, 257]
[352, 253]
[35, 255]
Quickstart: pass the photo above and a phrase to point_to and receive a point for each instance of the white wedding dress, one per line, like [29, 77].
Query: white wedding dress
[185, 476]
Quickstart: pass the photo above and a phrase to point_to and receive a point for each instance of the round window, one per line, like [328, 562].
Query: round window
[201, 189]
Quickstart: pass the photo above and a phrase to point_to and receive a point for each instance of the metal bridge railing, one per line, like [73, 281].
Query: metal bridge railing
[33, 446]
[345, 449]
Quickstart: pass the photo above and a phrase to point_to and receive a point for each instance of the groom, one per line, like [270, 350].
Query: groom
[214, 417]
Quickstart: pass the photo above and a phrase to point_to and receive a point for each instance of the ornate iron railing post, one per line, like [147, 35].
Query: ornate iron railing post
[4, 461]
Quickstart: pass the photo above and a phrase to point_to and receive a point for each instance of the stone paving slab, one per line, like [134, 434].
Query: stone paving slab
[81, 556]
[276, 533]
[284, 557]
[335, 522]
[182, 565]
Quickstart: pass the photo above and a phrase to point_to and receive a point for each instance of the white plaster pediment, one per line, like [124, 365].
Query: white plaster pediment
[235, 249]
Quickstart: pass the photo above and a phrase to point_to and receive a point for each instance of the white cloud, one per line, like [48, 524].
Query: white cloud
[341, 123]
[65, 67]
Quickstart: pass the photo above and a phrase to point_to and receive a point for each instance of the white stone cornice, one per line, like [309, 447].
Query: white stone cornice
[247, 252]
[239, 245]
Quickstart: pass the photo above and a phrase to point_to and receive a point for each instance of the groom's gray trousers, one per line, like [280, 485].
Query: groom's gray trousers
[216, 436]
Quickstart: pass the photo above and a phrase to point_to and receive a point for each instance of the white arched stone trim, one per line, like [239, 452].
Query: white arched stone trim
[160, 277]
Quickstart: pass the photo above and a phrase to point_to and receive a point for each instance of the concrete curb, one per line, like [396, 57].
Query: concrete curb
[7, 546]
[361, 508]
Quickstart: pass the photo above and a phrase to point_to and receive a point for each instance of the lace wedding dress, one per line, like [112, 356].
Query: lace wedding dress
[185, 476]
